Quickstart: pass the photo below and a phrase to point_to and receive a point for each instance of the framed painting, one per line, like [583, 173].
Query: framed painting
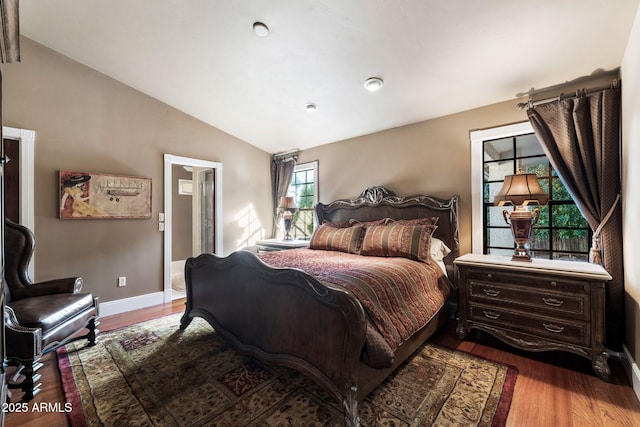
[88, 195]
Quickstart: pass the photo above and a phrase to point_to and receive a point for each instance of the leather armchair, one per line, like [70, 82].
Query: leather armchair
[40, 317]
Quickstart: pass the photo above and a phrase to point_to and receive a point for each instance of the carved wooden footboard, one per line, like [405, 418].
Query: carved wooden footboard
[282, 316]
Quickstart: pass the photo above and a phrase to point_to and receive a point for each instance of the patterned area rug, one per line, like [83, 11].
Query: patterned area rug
[152, 374]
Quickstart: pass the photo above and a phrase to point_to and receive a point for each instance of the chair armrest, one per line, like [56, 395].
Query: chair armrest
[22, 343]
[69, 285]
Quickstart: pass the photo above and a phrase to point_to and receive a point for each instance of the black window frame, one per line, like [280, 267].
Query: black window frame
[550, 182]
[304, 221]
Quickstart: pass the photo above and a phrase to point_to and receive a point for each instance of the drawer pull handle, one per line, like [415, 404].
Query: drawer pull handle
[490, 276]
[491, 314]
[491, 292]
[554, 284]
[553, 328]
[553, 302]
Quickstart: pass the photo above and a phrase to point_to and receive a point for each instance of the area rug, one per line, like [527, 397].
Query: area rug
[153, 374]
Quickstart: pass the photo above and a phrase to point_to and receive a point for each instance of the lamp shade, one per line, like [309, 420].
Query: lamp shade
[520, 190]
[287, 204]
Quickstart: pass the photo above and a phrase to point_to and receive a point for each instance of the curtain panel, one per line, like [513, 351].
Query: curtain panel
[581, 137]
[10, 31]
[281, 173]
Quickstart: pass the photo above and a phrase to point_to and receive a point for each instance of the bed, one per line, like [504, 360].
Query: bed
[313, 322]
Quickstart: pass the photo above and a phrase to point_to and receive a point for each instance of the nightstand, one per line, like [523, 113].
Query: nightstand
[538, 306]
[280, 245]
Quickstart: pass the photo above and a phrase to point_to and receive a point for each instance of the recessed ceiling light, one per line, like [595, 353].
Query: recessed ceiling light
[260, 29]
[373, 84]
[311, 107]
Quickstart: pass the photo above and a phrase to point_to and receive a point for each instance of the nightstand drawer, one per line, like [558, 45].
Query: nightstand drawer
[555, 329]
[539, 281]
[575, 306]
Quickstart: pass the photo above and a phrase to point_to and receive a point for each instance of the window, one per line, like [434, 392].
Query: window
[560, 233]
[304, 187]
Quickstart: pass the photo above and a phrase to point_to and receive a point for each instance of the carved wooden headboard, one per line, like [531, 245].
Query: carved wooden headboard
[379, 202]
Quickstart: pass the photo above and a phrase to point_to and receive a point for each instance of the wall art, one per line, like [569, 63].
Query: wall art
[88, 195]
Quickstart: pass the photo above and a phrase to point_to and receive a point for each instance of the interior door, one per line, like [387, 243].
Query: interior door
[11, 154]
[205, 211]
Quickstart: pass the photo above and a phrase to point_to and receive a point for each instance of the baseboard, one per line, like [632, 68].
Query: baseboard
[632, 370]
[110, 308]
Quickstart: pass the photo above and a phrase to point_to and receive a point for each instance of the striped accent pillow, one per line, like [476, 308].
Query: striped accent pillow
[341, 239]
[429, 221]
[399, 240]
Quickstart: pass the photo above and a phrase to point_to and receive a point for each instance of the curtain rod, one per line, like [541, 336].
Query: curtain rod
[580, 92]
[286, 154]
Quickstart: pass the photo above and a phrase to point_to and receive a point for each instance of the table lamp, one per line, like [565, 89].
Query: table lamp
[287, 206]
[521, 190]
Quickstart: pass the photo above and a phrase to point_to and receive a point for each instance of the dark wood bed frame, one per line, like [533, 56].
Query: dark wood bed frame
[286, 317]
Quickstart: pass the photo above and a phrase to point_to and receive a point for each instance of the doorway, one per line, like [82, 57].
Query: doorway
[23, 141]
[192, 216]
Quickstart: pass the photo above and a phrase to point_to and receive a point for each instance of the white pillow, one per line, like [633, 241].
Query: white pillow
[438, 251]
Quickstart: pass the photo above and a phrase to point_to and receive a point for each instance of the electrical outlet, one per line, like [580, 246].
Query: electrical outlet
[122, 281]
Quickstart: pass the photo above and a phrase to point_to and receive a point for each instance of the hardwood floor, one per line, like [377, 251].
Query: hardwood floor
[553, 389]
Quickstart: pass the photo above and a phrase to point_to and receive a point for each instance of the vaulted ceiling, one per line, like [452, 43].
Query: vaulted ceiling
[436, 57]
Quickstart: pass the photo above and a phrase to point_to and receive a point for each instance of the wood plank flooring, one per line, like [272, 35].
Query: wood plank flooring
[553, 389]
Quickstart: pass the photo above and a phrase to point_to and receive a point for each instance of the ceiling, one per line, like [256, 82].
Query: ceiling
[436, 57]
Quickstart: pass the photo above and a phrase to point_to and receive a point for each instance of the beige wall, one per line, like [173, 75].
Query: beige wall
[630, 71]
[431, 157]
[89, 122]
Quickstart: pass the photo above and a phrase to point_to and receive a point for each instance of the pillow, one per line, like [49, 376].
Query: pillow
[343, 239]
[431, 221]
[398, 240]
[337, 224]
[387, 221]
[368, 223]
[438, 251]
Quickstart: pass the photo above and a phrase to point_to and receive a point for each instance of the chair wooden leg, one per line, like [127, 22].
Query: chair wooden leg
[92, 336]
[31, 384]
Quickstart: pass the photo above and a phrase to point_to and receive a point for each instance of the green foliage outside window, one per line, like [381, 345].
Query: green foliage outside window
[566, 215]
[303, 217]
[302, 187]
[561, 231]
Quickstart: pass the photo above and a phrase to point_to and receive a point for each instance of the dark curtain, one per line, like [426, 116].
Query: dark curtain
[281, 173]
[9, 26]
[581, 137]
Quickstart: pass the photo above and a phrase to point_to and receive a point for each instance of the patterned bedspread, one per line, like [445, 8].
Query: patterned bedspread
[399, 295]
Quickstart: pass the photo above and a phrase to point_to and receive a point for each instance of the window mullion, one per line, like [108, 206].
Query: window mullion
[495, 160]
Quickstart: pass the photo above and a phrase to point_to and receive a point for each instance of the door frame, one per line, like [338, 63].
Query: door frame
[169, 161]
[26, 140]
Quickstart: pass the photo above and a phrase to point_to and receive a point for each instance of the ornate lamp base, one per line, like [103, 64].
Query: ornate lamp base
[287, 229]
[521, 221]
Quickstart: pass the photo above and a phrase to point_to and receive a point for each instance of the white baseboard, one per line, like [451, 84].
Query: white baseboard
[633, 372]
[110, 308]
